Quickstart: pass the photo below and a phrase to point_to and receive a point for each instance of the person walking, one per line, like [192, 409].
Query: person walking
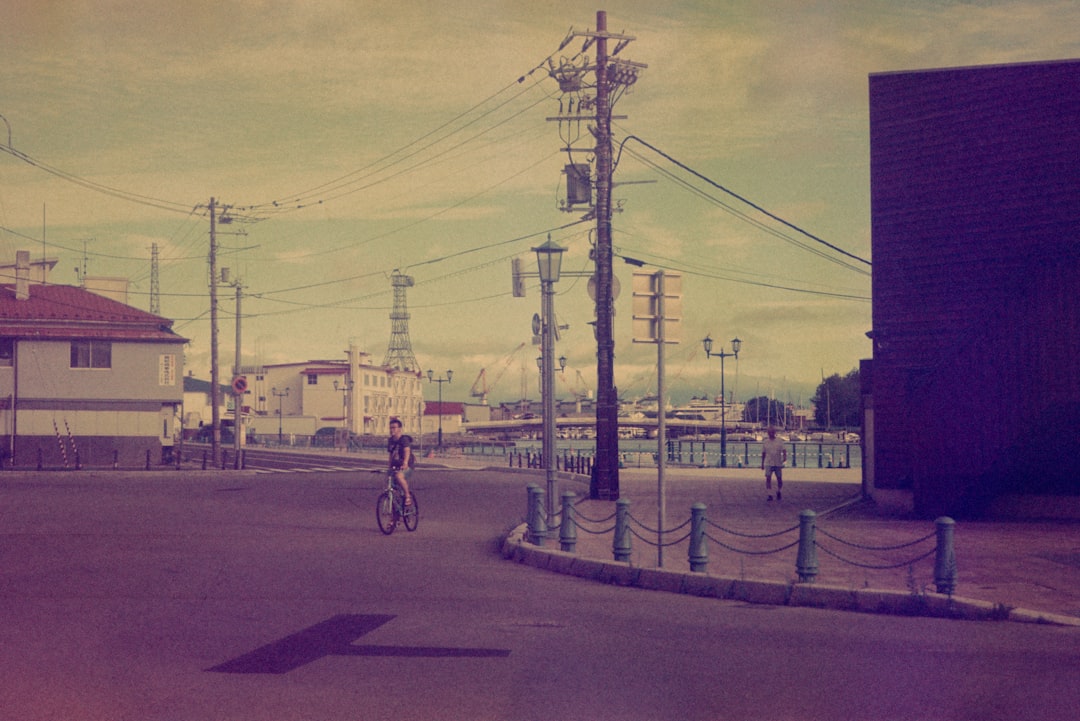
[773, 458]
[402, 459]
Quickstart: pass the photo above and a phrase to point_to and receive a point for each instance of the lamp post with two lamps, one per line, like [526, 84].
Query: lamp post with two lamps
[344, 388]
[280, 396]
[443, 379]
[735, 345]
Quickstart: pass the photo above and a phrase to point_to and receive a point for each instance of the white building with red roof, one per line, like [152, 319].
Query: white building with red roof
[84, 380]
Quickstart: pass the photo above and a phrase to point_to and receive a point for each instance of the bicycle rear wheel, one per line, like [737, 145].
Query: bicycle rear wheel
[386, 513]
[412, 513]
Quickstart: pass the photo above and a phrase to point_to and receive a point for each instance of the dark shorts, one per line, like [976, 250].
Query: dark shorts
[778, 470]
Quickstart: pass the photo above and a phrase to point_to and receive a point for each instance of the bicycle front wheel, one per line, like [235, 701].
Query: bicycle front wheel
[411, 514]
[385, 513]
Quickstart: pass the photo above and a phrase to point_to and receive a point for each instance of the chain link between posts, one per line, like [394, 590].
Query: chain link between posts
[632, 526]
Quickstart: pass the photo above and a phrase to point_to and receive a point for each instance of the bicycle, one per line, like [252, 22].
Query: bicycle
[390, 506]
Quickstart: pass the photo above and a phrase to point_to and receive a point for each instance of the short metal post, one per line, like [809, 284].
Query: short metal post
[620, 545]
[699, 550]
[945, 556]
[806, 564]
[537, 525]
[148, 459]
[568, 527]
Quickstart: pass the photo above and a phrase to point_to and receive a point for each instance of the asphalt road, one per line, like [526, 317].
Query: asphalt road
[274, 597]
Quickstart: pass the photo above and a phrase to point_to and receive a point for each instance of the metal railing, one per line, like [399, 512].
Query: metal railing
[699, 530]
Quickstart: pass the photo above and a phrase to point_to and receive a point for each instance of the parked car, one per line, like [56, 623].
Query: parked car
[206, 435]
[325, 438]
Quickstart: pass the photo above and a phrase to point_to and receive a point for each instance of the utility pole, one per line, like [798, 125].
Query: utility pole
[218, 214]
[155, 288]
[611, 74]
[606, 482]
[215, 390]
[238, 393]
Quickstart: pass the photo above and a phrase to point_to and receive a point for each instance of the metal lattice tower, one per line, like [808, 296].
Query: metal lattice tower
[400, 353]
[155, 289]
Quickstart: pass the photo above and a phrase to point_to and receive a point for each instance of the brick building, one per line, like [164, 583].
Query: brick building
[973, 393]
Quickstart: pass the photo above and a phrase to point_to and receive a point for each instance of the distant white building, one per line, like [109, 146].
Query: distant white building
[351, 393]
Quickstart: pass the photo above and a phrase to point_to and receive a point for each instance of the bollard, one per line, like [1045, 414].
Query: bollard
[115, 459]
[40, 459]
[148, 459]
[699, 551]
[537, 525]
[620, 545]
[945, 556]
[204, 457]
[806, 563]
[568, 527]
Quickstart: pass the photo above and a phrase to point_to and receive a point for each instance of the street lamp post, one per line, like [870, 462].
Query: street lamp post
[445, 379]
[280, 396]
[735, 345]
[549, 263]
[344, 388]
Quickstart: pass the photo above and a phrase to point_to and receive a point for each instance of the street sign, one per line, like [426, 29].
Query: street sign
[657, 306]
[239, 385]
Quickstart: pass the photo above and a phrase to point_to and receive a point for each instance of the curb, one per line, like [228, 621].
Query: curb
[773, 593]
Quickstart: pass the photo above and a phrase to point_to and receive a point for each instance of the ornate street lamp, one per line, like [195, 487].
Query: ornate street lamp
[443, 379]
[344, 388]
[735, 345]
[280, 396]
[549, 263]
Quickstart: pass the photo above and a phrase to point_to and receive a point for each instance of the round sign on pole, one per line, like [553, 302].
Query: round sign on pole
[615, 287]
[239, 385]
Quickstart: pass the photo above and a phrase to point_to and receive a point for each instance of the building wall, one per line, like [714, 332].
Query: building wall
[54, 412]
[376, 394]
[975, 197]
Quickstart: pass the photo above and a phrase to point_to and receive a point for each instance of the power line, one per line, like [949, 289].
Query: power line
[669, 264]
[740, 198]
[98, 187]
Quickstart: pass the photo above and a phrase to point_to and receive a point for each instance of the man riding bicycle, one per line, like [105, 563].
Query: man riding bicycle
[402, 459]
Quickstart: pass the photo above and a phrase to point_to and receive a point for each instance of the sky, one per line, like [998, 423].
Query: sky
[355, 138]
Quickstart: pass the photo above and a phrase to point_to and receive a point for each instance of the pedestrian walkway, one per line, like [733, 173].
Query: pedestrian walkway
[1028, 565]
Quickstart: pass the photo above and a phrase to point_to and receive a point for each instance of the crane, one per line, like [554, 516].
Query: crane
[579, 389]
[481, 387]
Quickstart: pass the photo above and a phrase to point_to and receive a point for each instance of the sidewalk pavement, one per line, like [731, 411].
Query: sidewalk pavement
[1015, 570]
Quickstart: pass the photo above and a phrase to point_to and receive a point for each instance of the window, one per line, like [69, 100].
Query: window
[91, 354]
[7, 351]
[313, 380]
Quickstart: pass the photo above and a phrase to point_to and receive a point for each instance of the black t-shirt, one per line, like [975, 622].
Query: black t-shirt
[397, 448]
